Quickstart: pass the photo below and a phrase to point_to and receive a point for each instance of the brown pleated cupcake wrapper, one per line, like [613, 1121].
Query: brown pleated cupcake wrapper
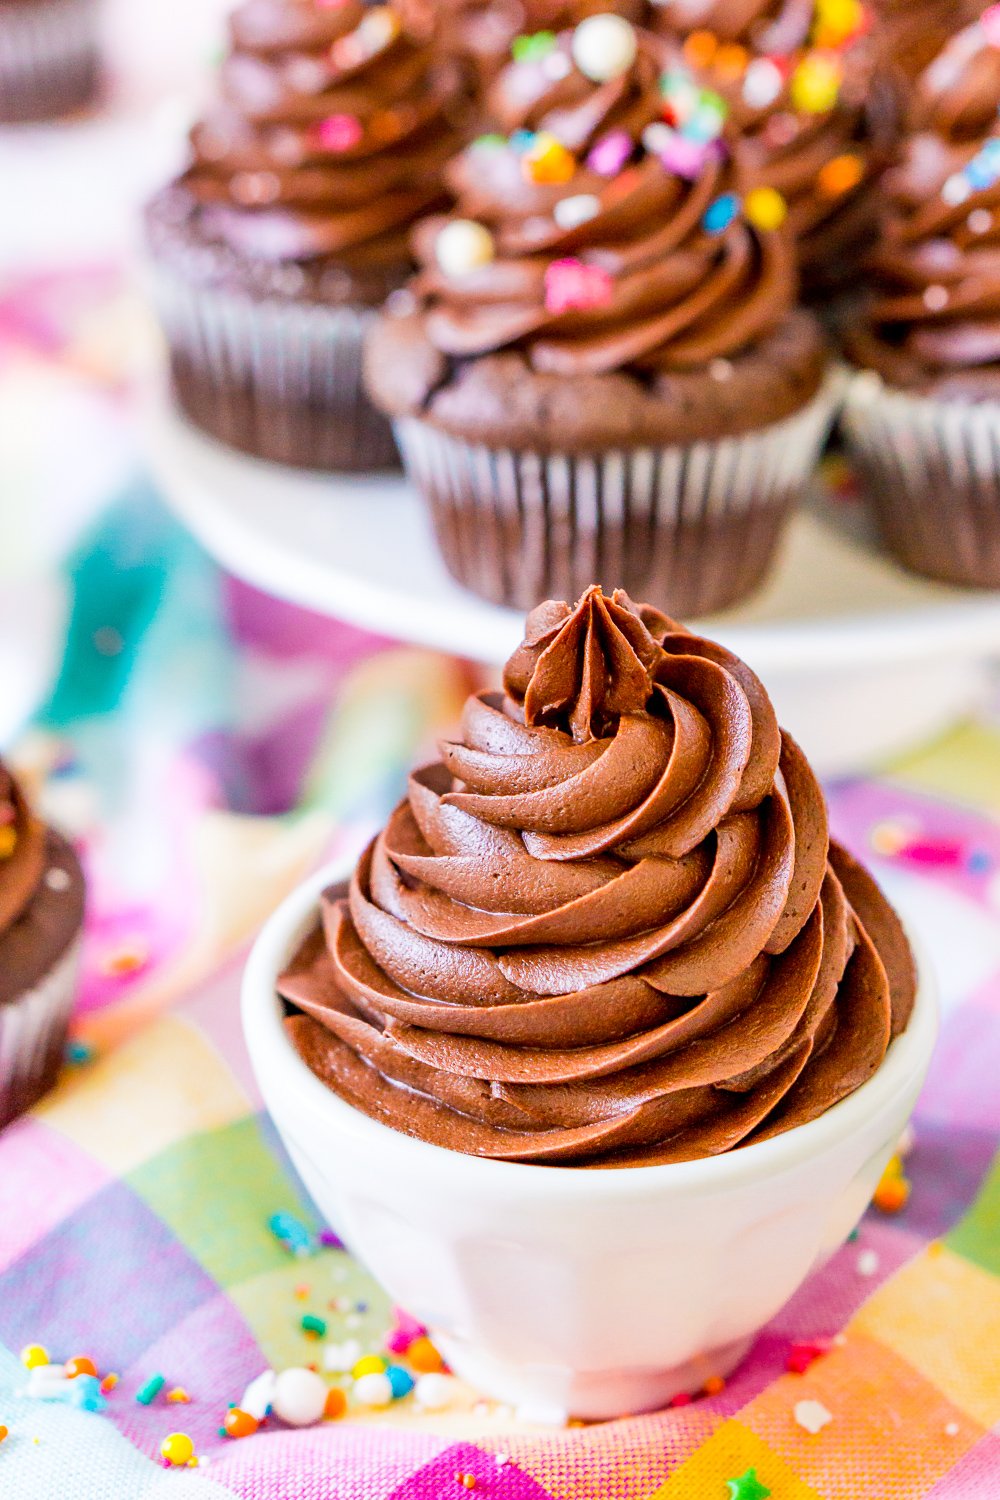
[690, 528]
[278, 379]
[33, 1030]
[48, 58]
[931, 471]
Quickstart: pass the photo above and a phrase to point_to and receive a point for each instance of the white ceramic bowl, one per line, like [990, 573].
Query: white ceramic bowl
[568, 1291]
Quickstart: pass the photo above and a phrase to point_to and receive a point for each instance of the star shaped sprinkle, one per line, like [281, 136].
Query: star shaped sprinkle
[747, 1487]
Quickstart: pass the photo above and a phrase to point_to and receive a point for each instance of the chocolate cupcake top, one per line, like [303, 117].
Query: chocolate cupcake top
[608, 928]
[799, 79]
[932, 323]
[329, 137]
[593, 235]
[482, 32]
[41, 893]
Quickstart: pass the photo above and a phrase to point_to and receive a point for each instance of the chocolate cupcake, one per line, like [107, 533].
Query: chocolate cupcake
[601, 372]
[48, 58]
[608, 928]
[290, 226]
[41, 916]
[801, 82]
[924, 418]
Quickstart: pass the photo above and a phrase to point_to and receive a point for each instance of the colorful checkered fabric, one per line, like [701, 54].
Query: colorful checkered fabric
[134, 1229]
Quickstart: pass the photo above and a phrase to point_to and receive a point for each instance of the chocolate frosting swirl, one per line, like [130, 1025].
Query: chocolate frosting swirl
[933, 319]
[671, 294]
[330, 136]
[22, 852]
[822, 156]
[608, 928]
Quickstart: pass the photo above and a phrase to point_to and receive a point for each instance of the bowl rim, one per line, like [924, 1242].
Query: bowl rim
[274, 1058]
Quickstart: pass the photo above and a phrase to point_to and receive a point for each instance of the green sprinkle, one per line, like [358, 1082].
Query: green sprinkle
[146, 1393]
[312, 1324]
[491, 142]
[529, 49]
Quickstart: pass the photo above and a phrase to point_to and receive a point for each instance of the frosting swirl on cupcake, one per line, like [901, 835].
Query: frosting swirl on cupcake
[329, 139]
[22, 851]
[933, 318]
[608, 928]
[595, 236]
[798, 77]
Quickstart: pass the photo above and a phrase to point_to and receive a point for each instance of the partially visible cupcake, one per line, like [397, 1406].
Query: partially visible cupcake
[924, 420]
[48, 58]
[290, 226]
[799, 78]
[603, 373]
[41, 917]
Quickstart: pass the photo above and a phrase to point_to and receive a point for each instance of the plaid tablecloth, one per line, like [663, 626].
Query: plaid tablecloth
[207, 747]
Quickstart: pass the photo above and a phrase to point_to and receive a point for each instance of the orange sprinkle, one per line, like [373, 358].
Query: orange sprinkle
[713, 1385]
[731, 60]
[336, 1403]
[81, 1365]
[467, 1480]
[239, 1423]
[8, 841]
[892, 1195]
[301, 1292]
[700, 48]
[424, 1358]
[840, 175]
[109, 1382]
[178, 1394]
[3, 1432]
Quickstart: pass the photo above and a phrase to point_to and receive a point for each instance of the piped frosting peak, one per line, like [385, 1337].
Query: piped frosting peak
[582, 669]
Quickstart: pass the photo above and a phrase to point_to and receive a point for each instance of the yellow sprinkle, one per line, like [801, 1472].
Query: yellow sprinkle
[370, 1364]
[815, 83]
[178, 1394]
[8, 841]
[33, 1355]
[547, 160]
[765, 208]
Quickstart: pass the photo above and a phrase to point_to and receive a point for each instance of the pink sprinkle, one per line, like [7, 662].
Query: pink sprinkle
[608, 155]
[397, 1340]
[685, 158]
[569, 285]
[989, 22]
[936, 854]
[407, 1323]
[681, 1399]
[338, 133]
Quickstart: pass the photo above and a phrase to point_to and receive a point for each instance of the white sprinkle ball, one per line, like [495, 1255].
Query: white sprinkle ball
[720, 369]
[935, 298]
[604, 47]
[569, 212]
[812, 1415]
[463, 246]
[868, 1263]
[57, 880]
[980, 221]
[951, 1429]
[373, 1390]
[299, 1397]
[258, 1395]
[434, 1392]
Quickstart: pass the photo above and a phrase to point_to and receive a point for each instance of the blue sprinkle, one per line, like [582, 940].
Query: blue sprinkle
[85, 1393]
[720, 214]
[292, 1233]
[979, 862]
[522, 140]
[401, 1381]
[79, 1053]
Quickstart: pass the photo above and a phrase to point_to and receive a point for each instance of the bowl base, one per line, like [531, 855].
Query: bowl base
[553, 1393]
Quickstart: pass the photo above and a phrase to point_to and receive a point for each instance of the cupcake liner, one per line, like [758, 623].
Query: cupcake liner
[48, 58]
[33, 1031]
[278, 379]
[931, 469]
[691, 528]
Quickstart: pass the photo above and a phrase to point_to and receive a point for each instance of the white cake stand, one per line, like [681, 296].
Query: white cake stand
[862, 660]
